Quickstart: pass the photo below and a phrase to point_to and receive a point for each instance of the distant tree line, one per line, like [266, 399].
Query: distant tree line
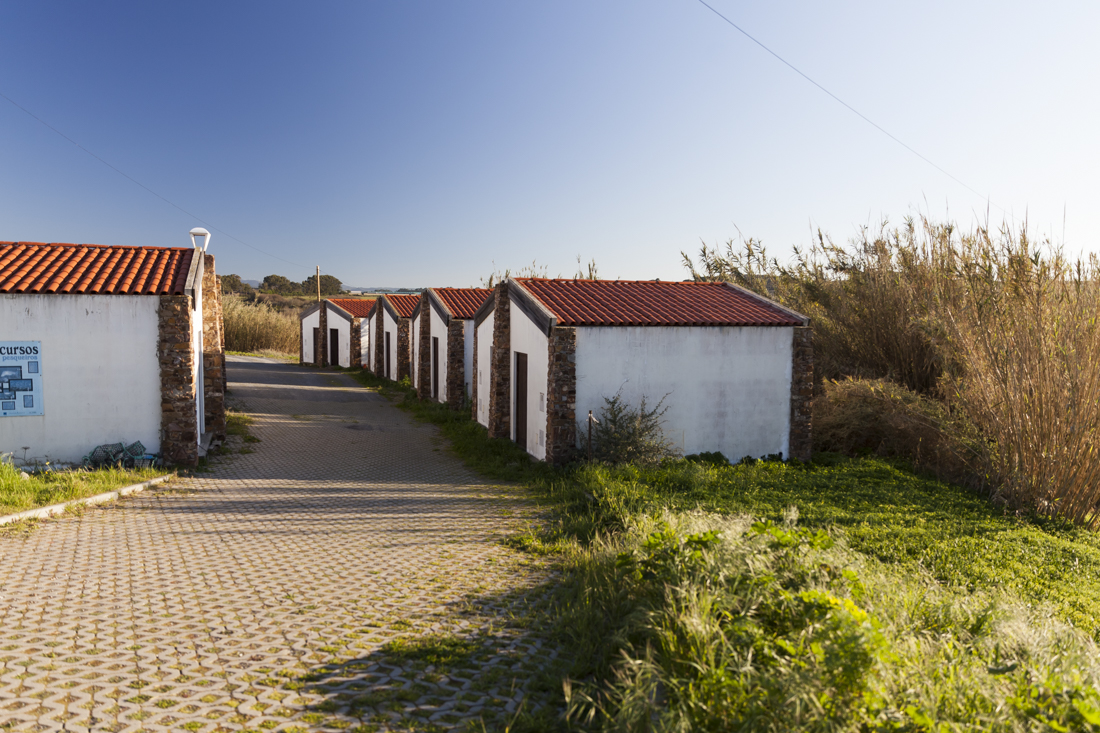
[282, 286]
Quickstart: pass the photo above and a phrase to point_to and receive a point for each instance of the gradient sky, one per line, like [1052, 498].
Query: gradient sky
[419, 143]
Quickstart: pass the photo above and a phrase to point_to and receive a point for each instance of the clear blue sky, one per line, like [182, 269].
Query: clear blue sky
[416, 143]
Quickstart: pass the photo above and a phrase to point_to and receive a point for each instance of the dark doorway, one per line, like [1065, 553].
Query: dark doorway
[317, 346]
[435, 367]
[521, 399]
[387, 370]
[333, 347]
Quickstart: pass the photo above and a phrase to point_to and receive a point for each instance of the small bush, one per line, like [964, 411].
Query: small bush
[626, 434]
[258, 327]
[861, 417]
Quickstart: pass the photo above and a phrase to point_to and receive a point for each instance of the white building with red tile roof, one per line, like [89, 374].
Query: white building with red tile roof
[128, 347]
[734, 368]
[443, 343]
[391, 342]
[336, 331]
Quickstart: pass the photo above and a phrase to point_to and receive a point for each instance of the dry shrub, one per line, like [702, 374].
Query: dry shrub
[1022, 321]
[1000, 329]
[857, 417]
[258, 327]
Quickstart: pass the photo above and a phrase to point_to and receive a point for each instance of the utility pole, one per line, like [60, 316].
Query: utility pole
[318, 283]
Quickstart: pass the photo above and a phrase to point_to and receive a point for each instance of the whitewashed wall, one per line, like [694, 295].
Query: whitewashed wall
[468, 358]
[527, 338]
[310, 322]
[343, 327]
[370, 342]
[439, 331]
[100, 374]
[414, 344]
[484, 356]
[364, 342]
[728, 387]
[389, 325]
[197, 364]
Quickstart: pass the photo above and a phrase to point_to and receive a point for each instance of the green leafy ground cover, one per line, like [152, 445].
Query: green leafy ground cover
[18, 494]
[846, 594]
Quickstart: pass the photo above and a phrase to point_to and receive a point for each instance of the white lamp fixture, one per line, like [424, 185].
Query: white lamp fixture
[200, 232]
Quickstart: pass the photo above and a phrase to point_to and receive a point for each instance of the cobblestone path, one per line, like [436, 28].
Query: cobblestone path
[343, 576]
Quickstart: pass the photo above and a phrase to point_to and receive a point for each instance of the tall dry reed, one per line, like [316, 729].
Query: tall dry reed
[1001, 329]
[258, 327]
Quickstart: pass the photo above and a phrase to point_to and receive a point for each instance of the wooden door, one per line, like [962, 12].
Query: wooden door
[521, 399]
[334, 347]
[317, 346]
[388, 355]
[435, 367]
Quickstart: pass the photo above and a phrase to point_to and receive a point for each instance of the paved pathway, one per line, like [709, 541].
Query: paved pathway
[344, 575]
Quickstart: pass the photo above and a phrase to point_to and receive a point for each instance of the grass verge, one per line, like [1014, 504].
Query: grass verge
[19, 494]
[845, 594]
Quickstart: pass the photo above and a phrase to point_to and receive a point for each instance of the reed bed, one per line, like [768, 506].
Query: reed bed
[258, 327]
[998, 328]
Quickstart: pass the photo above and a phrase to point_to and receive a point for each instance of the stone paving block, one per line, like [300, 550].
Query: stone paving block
[276, 590]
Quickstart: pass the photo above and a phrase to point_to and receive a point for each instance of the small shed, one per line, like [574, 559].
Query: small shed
[443, 343]
[735, 368]
[332, 332]
[392, 347]
[103, 344]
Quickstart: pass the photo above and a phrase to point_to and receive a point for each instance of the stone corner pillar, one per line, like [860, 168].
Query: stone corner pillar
[456, 364]
[424, 356]
[561, 396]
[500, 366]
[802, 393]
[179, 437]
[215, 379]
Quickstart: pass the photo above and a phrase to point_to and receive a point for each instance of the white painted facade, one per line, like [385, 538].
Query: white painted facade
[728, 387]
[528, 338]
[414, 344]
[364, 342]
[484, 362]
[310, 322]
[369, 339]
[338, 322]
[389, 329]
[100, 373]
[468, 357]
[439, 337]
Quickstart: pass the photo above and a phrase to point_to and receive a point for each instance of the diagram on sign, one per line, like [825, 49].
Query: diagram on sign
[20, 378]
[12, 383]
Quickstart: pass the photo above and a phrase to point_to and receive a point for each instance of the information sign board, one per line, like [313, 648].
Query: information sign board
[20, 378]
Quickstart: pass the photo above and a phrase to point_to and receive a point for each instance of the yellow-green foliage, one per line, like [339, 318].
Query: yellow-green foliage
[255, 327]
[42, 489]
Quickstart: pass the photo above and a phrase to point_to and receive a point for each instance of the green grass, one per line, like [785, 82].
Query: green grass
[949, 613]
[42, 489]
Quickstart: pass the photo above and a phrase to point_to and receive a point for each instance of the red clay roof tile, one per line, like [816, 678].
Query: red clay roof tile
[653, 303]
[358, 307]
[462, 302]
[93, 269]
[405, 305]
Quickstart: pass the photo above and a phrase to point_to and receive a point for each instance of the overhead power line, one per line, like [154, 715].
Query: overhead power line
[142, 185]
[849, 107]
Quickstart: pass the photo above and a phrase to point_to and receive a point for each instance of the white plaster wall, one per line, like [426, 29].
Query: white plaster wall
[100, 374]
[343, 346]
[728, 387]
[439, 331]
[484, 353]
[309, 323]
[197, 349]
[370, 342]
[527, 338]
[414, 344]
[468, 358]
[364, 342]
[389, 326]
